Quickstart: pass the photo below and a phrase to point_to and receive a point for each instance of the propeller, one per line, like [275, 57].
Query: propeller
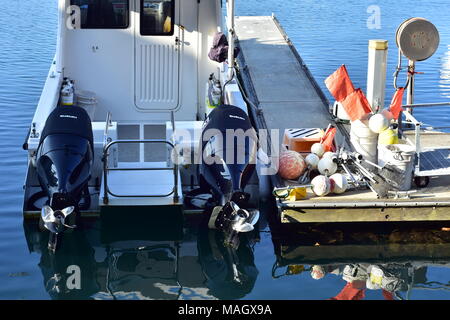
[54, 221]
[245, 220]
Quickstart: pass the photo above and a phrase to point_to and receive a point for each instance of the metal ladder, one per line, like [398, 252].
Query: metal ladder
[106, 169]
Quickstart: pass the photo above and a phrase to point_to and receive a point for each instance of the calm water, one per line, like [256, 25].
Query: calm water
[327, 34]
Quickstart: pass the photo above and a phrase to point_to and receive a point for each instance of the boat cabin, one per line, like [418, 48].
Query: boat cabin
[141, 58]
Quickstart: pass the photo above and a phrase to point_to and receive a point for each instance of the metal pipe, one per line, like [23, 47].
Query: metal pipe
[410, 88]
[140, 169]
[138, 141]
[426, 105]
[175, 178]
[436, 128]
[379, 204]
[105, 176]
[350, 174]
[230, 26]
[175, 164]
[62, 5]
[411, 118]
[140, 195]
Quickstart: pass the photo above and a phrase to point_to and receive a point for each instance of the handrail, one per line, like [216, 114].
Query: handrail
[108, 124]
[426, 105]
[106, 169]
[417, 127]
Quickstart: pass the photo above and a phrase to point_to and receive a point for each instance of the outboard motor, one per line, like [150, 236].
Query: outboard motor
[229, 151]
[64, 160]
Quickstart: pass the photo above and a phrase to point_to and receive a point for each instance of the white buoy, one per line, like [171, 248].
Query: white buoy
[312, 160]
[339, 182]
[329, 154]
[327, 167]
[321, 186]
[378, 123]
[318, 149]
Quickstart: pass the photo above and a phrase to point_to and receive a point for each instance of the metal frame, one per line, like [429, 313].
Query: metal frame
[106, 169]
[417, 128]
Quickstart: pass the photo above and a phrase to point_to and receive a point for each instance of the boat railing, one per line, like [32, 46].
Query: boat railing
[411, 120]
[107, 169]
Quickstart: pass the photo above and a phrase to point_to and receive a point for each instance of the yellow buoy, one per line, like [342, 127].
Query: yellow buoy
[297, 194]
[387, 137]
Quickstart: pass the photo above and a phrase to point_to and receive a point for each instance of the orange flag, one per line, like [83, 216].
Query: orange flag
[339, 84]
[396, 104]
[328, 140]
[356, 105]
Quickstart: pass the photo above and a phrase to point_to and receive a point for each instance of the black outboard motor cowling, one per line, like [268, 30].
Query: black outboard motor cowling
[229, 150]
[65, 156]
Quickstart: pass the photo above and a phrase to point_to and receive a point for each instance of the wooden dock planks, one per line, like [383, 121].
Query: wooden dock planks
[286, 91]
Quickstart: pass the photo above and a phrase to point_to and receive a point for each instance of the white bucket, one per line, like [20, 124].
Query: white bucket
[364, 140]
[402, 156]
[88, 101]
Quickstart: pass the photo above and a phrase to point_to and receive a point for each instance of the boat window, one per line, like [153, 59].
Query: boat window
[157, 17]
[103, 14]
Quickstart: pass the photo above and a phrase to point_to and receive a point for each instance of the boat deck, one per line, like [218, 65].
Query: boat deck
[287, 96]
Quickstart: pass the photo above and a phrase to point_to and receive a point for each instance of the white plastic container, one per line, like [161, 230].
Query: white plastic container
[364, 140]
[88, 101]
[402, 156]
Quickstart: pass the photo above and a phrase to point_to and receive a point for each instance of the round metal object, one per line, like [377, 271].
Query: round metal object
[417, 38]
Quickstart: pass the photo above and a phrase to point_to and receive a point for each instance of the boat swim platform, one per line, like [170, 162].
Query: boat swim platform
[284, 94]
[141, 188]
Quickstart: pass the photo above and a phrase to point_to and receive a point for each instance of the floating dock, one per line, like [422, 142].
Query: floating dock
[285, 95]
[277, 78]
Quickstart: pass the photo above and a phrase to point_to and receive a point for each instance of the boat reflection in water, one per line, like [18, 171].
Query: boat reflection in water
[375, 262]
[391, 261]
[98, 263]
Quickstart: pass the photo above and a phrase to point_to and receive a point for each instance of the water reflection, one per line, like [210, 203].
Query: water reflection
[339, 262]
[388, 264]
[196, 266]
[444, 82]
